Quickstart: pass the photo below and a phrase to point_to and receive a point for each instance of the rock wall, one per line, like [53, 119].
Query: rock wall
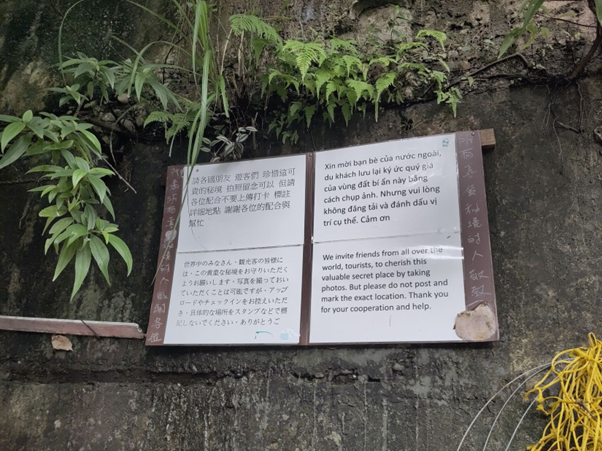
[545, 208]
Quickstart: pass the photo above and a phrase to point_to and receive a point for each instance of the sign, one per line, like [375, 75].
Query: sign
[380, 243]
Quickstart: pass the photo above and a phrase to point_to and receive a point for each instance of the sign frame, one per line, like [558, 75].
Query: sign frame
[478, 323]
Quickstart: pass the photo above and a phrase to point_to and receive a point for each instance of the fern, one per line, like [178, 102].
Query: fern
[293, 110]
[159, 116]
[407, 46]
[382, 84]
[348, 45]
[258, 44]
[352, 61]
[361, 87]
[342, 78]
[289, 80]
[331, 87]
[239, 23]
[437, 35]
[309, 113]
[305, 54]
[351, 97]
[384, 60]
[418, 67]
[439, 77]
[322, 77]
[346, 110]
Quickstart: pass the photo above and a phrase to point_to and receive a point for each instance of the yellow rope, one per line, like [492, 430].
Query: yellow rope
[575, 411]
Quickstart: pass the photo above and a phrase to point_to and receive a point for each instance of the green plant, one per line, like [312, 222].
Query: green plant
[340, 77]
[90, 73]
[74, 187]
[305, 78]
[529, 8]
[109, 77]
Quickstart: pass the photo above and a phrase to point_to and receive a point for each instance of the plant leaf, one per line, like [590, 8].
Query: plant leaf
[16, 150]
[78, 174]
[10, 132]
[99, 186]
[82, 266]
[66, 255]
[123, 250]
[101, 256]
[60, 225]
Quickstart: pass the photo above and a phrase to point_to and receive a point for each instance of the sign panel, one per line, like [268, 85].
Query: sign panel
[371, 244]
[248, 296]
[387, 289]
[244, 204]
[395, 188]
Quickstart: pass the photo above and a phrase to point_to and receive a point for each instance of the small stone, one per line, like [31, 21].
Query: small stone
[140, 118]
[452, 54]
[398, 368]
[464, 65]
[129, 126]
[108, 117]
[124, 98]
[91, 104]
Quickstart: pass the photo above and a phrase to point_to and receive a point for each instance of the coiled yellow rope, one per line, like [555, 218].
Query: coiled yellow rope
[576, 411]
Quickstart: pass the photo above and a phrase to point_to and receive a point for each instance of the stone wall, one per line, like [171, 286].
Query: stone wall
[545, 208]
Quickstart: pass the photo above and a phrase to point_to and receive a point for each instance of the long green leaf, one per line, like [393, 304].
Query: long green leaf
[222, 88]
[101, 256]
[598, 4]
[532, 7]
[45, 168]
[83, 258]
[16, 150]
[60, 225]
[77, 231]
[52, 212]
[200, 32]
[109, 206]
[137, 63]
[10, 132]
[91, 215]
[510, 40]
[99, 186]
[9, 119]
[65, 257]
[78, 174]
[94, 142]
[123, 250]
[60, 40]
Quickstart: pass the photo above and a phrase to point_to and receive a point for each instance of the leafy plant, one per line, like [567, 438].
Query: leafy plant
[90, 73]
[109, 77]
[340, 77]
[310, 78]
[74, 188]
[529, 8]
[70, 93]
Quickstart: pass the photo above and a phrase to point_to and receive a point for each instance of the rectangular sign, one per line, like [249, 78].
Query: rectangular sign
[387, 289]
[244, 204]
[381, 243]
[249, 296]
[398, 187]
